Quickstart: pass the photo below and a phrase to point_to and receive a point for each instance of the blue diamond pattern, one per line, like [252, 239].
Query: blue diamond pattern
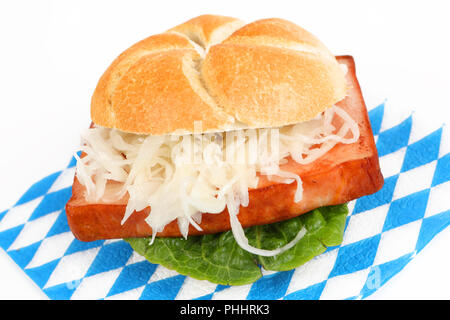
[407, 209]
[311, 293]
[24, 255]
[382, 197]
[110, 256]
[376, 117]
[77, 246]
[38, 189]
[60, 225]
[205, 297]
[356, 256]
[52, 202]
[133, 276]
[221, 287]
[2, 214]
[8, 236]
[62, 291]
[271, 287]
[395, 138]
[166, 289]
[431, 226]
[442, 172]
[422, 151]
[380, 274]
[41, 274]
[73, 161]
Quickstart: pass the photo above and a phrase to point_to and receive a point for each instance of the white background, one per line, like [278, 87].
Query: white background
[53, 53]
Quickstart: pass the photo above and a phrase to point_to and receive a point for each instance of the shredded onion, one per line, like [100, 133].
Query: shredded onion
[182, 176]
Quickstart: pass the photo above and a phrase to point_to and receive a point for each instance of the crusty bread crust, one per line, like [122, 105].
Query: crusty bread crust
[221, 72]
[346, 172]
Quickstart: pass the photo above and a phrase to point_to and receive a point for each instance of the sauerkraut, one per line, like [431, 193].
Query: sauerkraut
[182, 176]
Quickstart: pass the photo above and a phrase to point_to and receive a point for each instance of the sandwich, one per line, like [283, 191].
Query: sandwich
[219, 148]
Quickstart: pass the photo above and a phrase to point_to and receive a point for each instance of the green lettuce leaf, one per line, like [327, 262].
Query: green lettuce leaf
[219, 259]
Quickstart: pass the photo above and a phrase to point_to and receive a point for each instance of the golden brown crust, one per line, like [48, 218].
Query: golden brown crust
[346, 172]
[276, 94]
[102, 111]
[217, 70]
[275, 30]
[207, 29]
[132, 98]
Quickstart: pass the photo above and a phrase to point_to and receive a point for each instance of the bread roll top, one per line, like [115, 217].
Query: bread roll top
[215, 73]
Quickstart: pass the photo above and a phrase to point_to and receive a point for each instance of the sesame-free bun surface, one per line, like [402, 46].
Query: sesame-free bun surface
[215, 73]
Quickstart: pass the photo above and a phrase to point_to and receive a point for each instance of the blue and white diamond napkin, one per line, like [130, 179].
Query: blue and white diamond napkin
[384, 231]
